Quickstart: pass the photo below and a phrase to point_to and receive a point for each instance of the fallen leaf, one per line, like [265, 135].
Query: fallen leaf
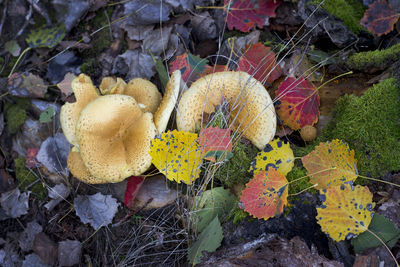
[69, 252]
[265, 195]
[26, 238]
[47, 115]
[33, 260]
[98, 210]
[45, 248]
[346, 211]
[30, 159]
[213, 139]
[245, 15]
[57, 194]
[13, 48]
[297, 103]
[177, 155]
[26, 85]
[215, 202]
[380, 226]
[276, 154]
[133, 64]
[379, 18]
[53, 154]
[190, 66]
[46, 36]
[260, 61]
[6, 181]
[132, 189]
[330, 164]
[209, 240]
[65, 85]
[14, 203]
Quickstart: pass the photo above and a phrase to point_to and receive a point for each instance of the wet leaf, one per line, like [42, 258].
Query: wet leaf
[214, 202]
[276, 154]
[132, 189]
[245, 15]
[177, 155]
[380, 226]
[46, 36]
[57, 194]
[53, 154]
[98, 210]
[260, 61]
[297, 103]
[26, 85]
[47, 115]
[265, 195]
[209, 240]
[379, 18]
[65, 84]
[190, 66]
[14, 203]
[213, 139]
[346, 211]
[330, 164]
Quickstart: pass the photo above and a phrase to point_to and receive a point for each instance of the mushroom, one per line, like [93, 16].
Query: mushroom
[114, 137]
[85, 92]
[145, 93]
[252, 112]
[111, 85]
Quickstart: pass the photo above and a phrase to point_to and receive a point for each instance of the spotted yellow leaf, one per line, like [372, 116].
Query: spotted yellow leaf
[331, 163]
[177, 155]
[346, 211]
[276, 154]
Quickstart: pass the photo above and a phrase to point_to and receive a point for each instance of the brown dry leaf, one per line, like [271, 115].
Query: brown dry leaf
[65, 85]
[379, 18]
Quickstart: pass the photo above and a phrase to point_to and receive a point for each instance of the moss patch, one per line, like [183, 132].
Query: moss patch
[15, 114]
[374, 60]
[235, 171]
[27, 179]
[349, 11]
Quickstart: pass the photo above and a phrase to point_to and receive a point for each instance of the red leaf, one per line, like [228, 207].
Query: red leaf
[215, 139]
[245, 15]
[259, 61]
[297, 103]
[132, 189]
[189, 65]
[379, 18]
[30, 160]
[265, 195]
[213, 69]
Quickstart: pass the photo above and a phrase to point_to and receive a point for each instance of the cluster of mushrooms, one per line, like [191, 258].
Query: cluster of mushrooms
[111, 129]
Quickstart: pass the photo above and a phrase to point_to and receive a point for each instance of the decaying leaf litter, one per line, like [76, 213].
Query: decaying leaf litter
[302, 56]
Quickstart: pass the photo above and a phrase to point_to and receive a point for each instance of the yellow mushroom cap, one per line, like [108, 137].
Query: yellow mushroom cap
[252, 112]
[112, 86]
[161, 117]
[145, 93]
[79, 170]
[85, 92]
[114, 137]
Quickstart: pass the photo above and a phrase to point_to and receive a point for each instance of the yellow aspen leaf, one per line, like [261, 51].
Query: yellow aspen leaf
[276, 154]
[177, 155]
[346, 211]
[331, 163]
[265, 195]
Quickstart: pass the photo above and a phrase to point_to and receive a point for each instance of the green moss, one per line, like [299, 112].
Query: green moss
[15, 117]
[235, 171]
[298, 172]
[27, 179]
[89, 67]
[349, 11]
[237, 214]
[370, 124]
[374, 60]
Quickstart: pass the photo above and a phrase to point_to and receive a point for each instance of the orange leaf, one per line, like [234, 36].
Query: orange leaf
[265, 195]
[215, 139]
[379, 18]
[259, 61]
[297, 103]
[331, 164]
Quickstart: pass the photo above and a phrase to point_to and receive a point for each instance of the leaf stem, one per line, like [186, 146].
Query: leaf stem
[18, 60]
[383, 243]
[334, 78]
[298, 193]
[378, 180]
[295, 180]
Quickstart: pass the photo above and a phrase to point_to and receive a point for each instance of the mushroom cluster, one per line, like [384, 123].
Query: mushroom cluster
[111, 130]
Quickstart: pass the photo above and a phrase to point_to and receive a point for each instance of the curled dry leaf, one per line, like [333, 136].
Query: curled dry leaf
[379, 18]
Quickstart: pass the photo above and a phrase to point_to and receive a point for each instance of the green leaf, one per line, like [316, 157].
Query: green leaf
[209, 240]
[381, 227]
[216, 202]
[219, 155]
[13, 48]
[198, 64]
[46, 36]
[162, 73]
[47, 115]
[320, 56]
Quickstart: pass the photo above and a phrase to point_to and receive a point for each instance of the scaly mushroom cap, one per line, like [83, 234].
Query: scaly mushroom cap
[114, 137]
[251, 109]
[112, 86]
[85, 92]
[145, 93]
[79, 170]
[161, 117]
